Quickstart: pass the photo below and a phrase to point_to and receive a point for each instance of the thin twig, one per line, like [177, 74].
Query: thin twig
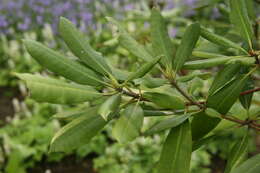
[249, 91]
[174, 84]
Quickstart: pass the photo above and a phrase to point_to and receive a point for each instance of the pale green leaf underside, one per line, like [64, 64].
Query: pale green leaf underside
[45, 89]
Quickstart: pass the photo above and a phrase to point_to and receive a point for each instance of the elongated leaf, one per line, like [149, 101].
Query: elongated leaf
[219, 40]
[246, 100]
[161, 41]
[224, 76]
[61, 65]
[206, 63]
[176, 152]
[78, 132]
[237, 154]
[223, 99]
[165, 101]
[206, 55]
[110, 106]
[143, 69]
[71, 114]
[188, 43]
[45, 89]
[151, 113]
[128, 126]
[252, 165]
[199, 127]
[250, 6]
[239, 17]
[167, 124]
[80, 47]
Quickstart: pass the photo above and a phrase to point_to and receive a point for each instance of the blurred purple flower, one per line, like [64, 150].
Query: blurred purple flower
[172, 32]
[3, 22]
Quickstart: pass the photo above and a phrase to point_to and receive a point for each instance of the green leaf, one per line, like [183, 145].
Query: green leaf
[61, 65]
[150, 82]
[143, 69]
[252, 165]
[199, 127]
[164, 100]
[187, 45]
[71, 114]
[128, 126]
[219, 40]
[150, 113]
[45, 89]
[80, 47]
[206, 63]
[199, 143]
[78, 132]
[167, 124]
[110, 106]
[237, 154]
[176, 152]
[224, 98]
[246, 100]
[129, 43]
[239, 17]
[161, 41]
[224, 76]
[250, 5]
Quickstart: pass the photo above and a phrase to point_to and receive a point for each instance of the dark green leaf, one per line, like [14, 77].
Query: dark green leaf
[78, 132]
[223, 99]
[246, 100]
[45, 89]
[129, 124]
[224, 76]
[176, 152]
[80, 47]
[188, 43]
[61, 65]
[199, 127]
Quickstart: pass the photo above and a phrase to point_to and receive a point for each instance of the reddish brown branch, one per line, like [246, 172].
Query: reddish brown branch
[249, 91]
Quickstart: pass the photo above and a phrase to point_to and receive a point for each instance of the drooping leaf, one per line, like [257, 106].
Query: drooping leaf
[161, 41]
[129, 124]
[199, 127]
[239, 17]
[78, 132]
[61, 65]
[250, 166]
[164, 100]
[110, 106]
[246, 100]
[151, 113]
[143, 69]
[129, 43]
[45, 89]
[80, 47]
[237, 154]
[219, 40]
[224, 76]
[167, 124]
[176, 152]
[188, 43]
